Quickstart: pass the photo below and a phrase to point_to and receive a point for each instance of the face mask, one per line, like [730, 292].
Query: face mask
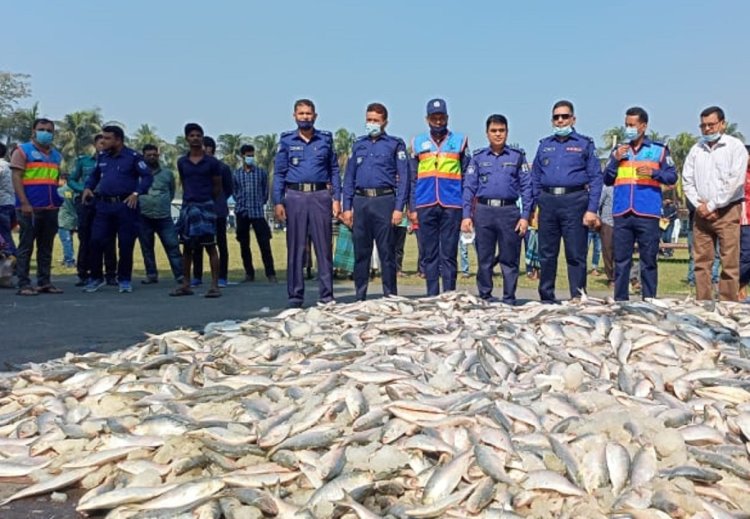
[562, 131]
[711, 137]
[438, 131]
[250, 161]
[631, 133]
[305, 125]
[373, 129]
[44, 137]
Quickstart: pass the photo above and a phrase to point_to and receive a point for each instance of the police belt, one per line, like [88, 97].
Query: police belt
[563, 190]
[372, 192]
[308, 187]
[497, 202]
[112, 199]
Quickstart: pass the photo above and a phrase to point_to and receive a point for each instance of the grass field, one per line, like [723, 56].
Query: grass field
[672, 272]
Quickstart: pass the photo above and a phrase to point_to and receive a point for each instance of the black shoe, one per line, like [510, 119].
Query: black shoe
[112, 282]
[249, 279]
[149, 281]
[80, 283]
[272, 279]
[294, 304]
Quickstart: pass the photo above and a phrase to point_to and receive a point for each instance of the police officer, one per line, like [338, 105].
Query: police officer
[439, 159]
[120, 176]
[496, 178]
[375, 187]
[305, 166]
[567, 183]
[637, 168]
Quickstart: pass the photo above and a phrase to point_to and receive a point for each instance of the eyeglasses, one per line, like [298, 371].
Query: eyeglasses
[564, 117]
[709, 126]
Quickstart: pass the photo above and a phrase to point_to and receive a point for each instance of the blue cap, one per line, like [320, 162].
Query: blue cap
[436, 106]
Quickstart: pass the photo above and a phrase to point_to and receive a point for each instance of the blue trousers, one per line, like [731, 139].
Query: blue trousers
[372, 222]
[66, 238]
[165, 229]
[629, 230]
[114, 219]
[439, 229]
[309, 214]
[561, 216]
[597, 252]
[495, 227]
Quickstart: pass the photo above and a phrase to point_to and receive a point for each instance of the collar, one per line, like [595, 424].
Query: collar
[489, 151]
[719, 144]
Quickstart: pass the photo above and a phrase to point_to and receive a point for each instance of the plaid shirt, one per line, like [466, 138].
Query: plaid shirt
[250, 192]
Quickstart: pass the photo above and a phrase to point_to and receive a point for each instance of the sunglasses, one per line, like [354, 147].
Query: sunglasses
[564, 117]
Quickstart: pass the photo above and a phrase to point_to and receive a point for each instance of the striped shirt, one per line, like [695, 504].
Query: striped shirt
[250, 192]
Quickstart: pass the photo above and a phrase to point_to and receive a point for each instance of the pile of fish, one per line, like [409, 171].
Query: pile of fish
[400, 408]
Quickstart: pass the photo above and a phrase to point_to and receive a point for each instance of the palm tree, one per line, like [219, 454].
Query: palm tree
[610, 137]
[733, 131]
[146, 134]
[17, 126]
[76, 132]
[679, 147]
[343, 140]
[229, 147]
[657, 137]
[171, 152]
[265, 151]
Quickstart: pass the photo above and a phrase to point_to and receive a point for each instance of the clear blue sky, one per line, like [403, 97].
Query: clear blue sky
[238, 66]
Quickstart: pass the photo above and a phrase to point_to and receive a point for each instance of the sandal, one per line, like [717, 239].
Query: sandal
[181, 291]
[49, 289]
[213, 293]
[27, 291]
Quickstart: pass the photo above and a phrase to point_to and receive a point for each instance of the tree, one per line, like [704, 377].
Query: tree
[679, 147]
[171, 152]
[76, 132]
[343, 140]
[657, 137]
[229, 147]
[265, 152]
[17, 126]
[13, 88]
[146, 134]
[615, 134]
[733, 131]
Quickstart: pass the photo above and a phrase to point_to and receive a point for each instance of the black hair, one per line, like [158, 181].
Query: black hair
[114, 130]
[98, 137]
[496, 119]
[42, 120]
[713, 110]
[191, 127]
[246, 148]
[149, 147]
[304, 102]
[638, 112]
[209, 142]
[378, 108]
[563, 103]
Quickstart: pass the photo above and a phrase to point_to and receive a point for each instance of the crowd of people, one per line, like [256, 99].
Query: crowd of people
[493, 198]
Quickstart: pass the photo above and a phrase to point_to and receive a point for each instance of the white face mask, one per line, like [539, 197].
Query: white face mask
[373, 129]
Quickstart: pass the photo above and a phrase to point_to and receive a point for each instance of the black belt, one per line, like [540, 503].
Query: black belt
[563, 190]
[497, 202]
[112, 199]
[376, 191]
[308, 187]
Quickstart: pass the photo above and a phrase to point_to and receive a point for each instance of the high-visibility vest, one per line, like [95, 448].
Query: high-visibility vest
[636, 193]
[40, 179]
[439, 175]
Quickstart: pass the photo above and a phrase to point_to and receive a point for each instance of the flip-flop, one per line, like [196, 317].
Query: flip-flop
[181, 291]
[49, 289]
[27, 291]
[212, 293]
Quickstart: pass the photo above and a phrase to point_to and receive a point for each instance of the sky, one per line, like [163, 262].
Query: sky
[237, 67]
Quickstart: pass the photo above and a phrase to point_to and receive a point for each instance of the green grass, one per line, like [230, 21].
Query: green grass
[672, 272]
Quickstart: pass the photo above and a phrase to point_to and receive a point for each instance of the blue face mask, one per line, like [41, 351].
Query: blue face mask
[44, 137]
[305, 125]
[711, 137]
[438, 131]
[373, 129]
[631, 134]
[562, 131]
[250, 161]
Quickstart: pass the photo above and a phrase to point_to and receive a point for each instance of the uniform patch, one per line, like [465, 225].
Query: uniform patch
[36, 155]
[401, 155]
[670, 162]
[142, 165]
[548, 149]
[574, 149]
[360, 159]
[295, 161]
[525, 167]
[545, 161]
[470, 170]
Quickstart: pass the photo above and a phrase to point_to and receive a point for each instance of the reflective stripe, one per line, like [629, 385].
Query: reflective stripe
[438, 174]
[39, 181]
[637, 181]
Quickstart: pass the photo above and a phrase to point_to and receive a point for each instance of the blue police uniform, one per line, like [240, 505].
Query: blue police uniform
[375, 184]
[566, 183]
[493, 184]
[303, 171]
[115, 177]
[636, 208]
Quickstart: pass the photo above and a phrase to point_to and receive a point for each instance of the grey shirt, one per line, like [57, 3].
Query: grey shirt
[605, 206]
[7, 193]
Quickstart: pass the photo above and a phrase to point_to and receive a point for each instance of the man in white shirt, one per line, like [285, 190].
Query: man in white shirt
[713, 178]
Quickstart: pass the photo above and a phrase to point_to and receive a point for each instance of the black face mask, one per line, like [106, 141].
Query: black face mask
[438, 131]
[153, 164]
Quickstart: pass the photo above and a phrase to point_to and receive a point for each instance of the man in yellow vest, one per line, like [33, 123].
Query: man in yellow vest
[439, 159]
[36, 169]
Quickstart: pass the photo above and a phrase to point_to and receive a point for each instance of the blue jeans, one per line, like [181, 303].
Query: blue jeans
[7, 219]
[165, 229]
[66, 238]
[691, 262]
[596, 255]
